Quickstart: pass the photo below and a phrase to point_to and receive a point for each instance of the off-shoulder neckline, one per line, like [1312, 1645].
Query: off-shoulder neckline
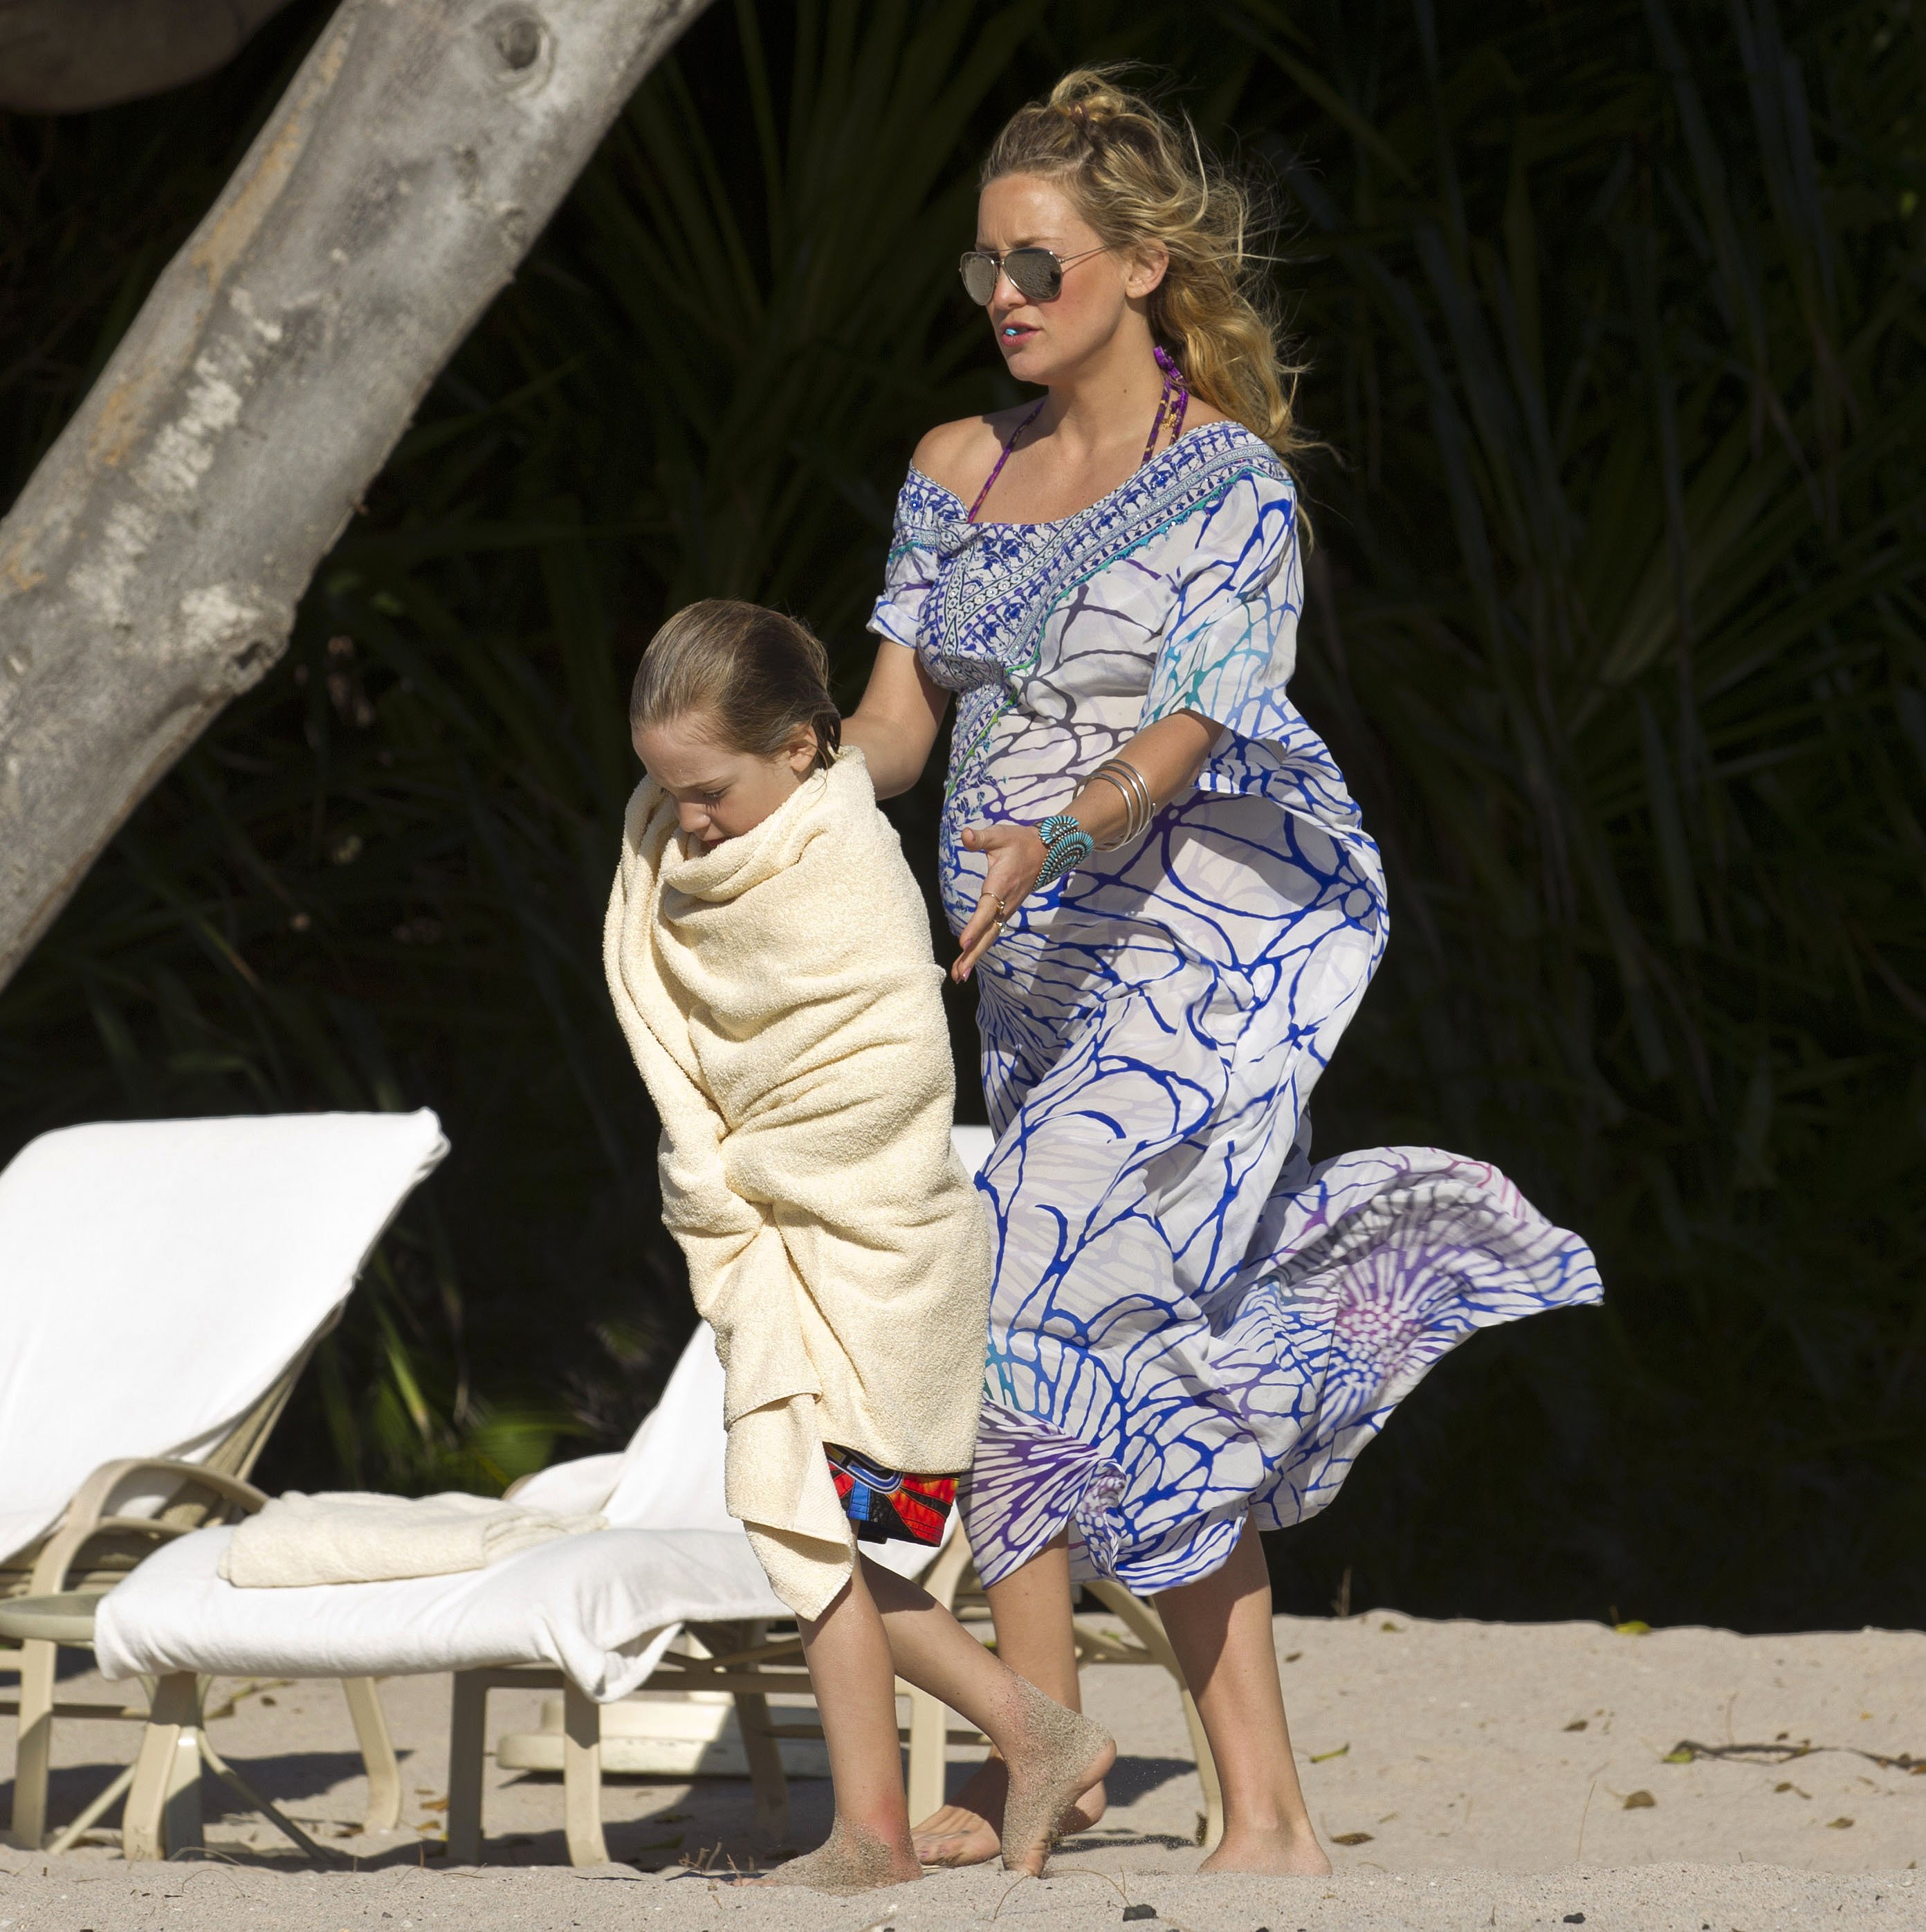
[1189, 436]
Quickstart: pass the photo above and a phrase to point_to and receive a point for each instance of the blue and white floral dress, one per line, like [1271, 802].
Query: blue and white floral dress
[1191, 1324]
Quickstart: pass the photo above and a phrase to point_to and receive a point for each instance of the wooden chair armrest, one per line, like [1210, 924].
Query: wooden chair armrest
[84, 1519]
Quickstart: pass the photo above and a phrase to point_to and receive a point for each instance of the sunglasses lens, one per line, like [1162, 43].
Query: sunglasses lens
[979, 276]
[1035, 274]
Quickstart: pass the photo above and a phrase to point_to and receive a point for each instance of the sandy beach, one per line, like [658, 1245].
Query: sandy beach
[1463, 1775]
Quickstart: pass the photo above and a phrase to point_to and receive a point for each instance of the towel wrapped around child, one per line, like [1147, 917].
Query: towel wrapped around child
[780, 995]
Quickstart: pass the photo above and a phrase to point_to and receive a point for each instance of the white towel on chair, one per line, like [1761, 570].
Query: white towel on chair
[353, 1537]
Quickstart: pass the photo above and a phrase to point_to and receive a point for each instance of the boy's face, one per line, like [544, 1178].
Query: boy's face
[720, 793]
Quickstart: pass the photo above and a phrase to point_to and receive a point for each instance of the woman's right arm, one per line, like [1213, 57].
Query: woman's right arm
[895, 727]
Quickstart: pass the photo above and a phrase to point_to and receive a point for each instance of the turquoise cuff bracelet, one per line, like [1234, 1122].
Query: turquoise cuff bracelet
[1066, 846]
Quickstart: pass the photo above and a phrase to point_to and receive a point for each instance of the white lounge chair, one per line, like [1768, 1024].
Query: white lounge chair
[596, 1616]
[592, 1614]
[163, 1284]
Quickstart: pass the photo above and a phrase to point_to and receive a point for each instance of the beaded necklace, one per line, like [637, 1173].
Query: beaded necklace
[1171, 404]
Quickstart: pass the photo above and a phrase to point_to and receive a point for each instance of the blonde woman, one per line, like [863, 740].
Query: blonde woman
[1175, 909]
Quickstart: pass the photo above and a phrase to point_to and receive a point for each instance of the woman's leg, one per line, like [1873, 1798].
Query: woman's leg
[1049, 1758]
[1031, 1607]
[1221, 1630]
[847, 1653]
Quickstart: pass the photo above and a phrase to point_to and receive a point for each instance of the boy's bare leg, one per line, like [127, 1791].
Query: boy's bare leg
[1220, 1629]
[1049, 1757]
[1031, 1607]
[848, 1656]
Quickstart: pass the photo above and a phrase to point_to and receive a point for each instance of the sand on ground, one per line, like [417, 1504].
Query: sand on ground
[1461, 1774]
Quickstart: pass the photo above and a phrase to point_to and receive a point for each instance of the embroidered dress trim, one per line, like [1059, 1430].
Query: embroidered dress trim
[991, 619]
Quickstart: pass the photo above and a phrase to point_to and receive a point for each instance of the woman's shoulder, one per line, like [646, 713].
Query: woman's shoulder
[1234, 501]
[957, 456]
[1198, 414]
[1225, 477]
[1221, 444]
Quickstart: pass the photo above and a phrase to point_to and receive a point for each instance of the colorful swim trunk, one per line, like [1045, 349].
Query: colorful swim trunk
[886, 1506]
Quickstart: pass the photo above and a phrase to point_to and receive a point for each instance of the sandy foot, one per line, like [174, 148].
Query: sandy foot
[1268, 1853]
[852, 1860]
[1063, 1754]
[970, 1832]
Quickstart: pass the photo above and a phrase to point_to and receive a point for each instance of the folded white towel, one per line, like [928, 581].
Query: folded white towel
[351, 1537]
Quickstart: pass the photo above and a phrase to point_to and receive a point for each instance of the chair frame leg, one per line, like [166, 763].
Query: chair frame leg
[372, 1734]
[582, 1776]
[467, 1740]
[768, 1780]
[162, 1815]
[33, 1755]
[1147, 1627]
[68, 1836]
[929, 1754]
[255, 1802]
[581, 1760]
[1200, 1749]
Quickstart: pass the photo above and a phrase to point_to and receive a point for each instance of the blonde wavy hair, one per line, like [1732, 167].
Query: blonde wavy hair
[1138, 176]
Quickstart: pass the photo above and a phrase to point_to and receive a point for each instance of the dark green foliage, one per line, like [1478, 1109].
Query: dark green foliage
[1622, 641]
[1615, 623]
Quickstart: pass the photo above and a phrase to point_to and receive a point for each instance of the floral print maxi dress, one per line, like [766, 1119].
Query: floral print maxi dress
[1191, 1324]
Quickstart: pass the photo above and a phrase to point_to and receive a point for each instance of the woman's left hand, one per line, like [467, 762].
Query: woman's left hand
[1016, 855]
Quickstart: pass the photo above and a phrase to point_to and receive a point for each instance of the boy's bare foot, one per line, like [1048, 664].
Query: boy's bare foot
[970, 1831]
[852, 1860]
[1061, 1755]
[1278, 1852]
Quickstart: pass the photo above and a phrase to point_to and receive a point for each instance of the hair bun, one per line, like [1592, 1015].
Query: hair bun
[1090, 99]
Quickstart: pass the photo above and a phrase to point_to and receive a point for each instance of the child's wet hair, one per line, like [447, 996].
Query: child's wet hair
[762, 676]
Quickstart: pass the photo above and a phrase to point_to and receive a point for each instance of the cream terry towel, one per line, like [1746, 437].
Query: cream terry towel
[779, 996]
[350, 1536]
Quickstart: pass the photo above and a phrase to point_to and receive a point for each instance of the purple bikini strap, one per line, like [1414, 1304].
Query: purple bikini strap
[984, 492]
[1172, 403]
[1171, 406]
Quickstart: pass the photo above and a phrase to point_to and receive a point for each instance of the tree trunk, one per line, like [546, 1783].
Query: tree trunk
[150, 568]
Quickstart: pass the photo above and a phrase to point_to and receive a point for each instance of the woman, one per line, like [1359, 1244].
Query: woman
[1175, 910]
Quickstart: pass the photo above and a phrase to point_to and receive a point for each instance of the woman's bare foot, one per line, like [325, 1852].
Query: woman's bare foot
[852, 1860]
[1060, 1754]
[1277, 1852]
[970, 1831]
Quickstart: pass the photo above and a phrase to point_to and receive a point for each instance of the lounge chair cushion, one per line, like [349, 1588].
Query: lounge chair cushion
[601, 1607]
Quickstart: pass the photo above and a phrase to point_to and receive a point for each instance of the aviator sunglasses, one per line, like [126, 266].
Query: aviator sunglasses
[1035, 274]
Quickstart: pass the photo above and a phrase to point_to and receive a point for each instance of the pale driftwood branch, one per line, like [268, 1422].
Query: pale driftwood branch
[60, 56]
[150, 569]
